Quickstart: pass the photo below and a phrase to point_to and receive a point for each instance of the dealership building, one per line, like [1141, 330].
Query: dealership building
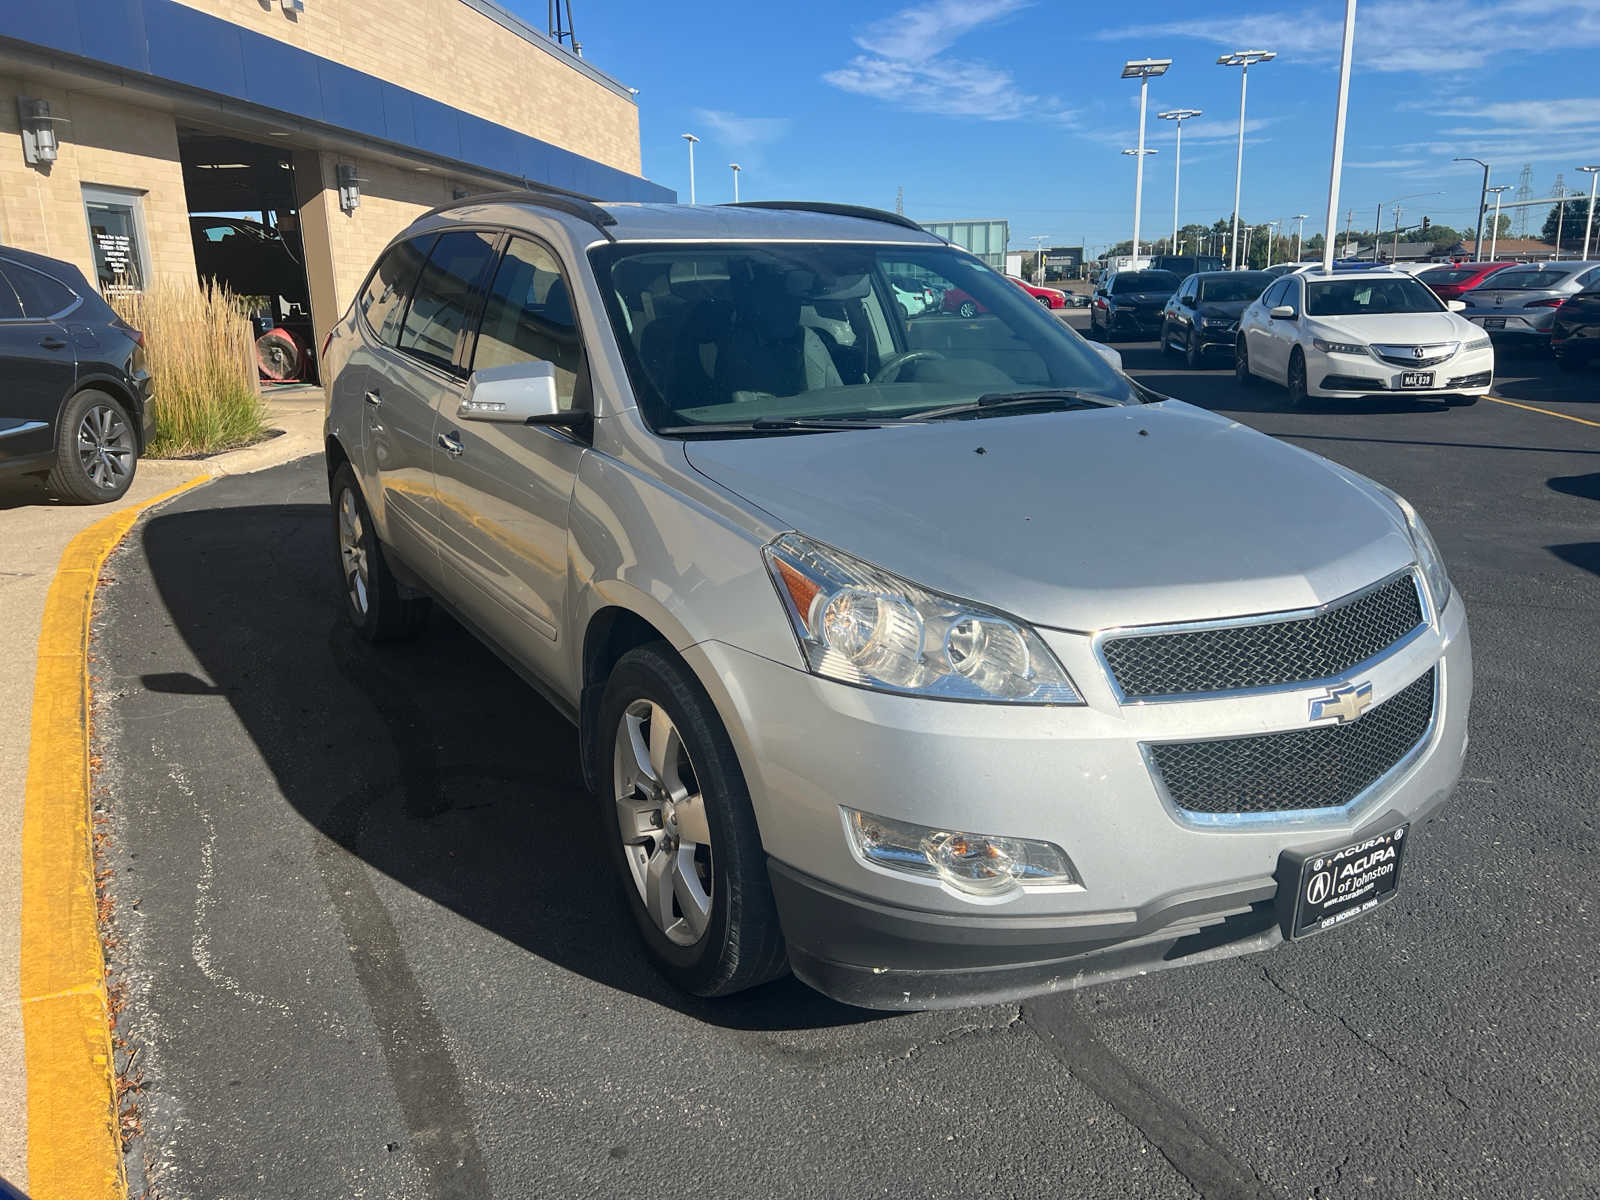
[329, 124]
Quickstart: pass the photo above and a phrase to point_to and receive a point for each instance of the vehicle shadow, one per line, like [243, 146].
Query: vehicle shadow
[23, 492]
[1219, 391]
[1585, 487]
[1580, 554]
[431, 761]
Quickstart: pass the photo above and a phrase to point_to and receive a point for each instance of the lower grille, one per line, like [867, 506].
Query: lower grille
[1324, 767]
[1482, 379]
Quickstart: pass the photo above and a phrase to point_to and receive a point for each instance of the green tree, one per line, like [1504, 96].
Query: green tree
[1571, 227]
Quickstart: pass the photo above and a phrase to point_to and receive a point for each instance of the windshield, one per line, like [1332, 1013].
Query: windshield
[1245, 285]
[1367, 297]
[1441, 276]
[1529, 279]
[731, 335]
[1144, 281]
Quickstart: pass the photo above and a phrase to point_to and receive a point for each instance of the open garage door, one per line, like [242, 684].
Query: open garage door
[246, 231]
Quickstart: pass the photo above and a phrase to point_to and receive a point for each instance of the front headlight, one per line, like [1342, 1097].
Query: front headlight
[1339, 347]
[1481, 343]
[860, 625]
[1215, 322]
[1428, 556]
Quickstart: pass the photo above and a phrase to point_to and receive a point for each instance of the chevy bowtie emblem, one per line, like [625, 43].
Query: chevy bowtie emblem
[1342, 704]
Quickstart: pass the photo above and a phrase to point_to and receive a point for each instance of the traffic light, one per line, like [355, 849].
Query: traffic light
[1424, 223]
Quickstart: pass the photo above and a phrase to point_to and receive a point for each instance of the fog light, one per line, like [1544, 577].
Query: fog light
[977, 864]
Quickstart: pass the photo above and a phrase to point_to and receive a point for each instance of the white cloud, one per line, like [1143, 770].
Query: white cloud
[905, 65]
[1394, 35]
[743, 133]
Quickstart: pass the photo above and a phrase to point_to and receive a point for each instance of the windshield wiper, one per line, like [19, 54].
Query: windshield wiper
[773, 425]
[1061, 399]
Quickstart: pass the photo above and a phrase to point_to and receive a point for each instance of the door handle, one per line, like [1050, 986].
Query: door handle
[52, 343]
[372, 398]
[450, 443]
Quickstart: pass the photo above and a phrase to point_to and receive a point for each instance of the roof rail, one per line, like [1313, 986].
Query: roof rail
[834, 210]
[566, 202]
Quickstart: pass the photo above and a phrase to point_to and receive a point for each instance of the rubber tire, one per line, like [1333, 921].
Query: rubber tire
[1193, 356]
[67, 480]
[967, 310]
[743, 945]
[1093, 332]
[390, 617]
[1298, 400]
[1241, 365]
[1044, 300]
[287, 348]
[1166, 342]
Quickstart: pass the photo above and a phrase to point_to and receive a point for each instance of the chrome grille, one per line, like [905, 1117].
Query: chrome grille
[1324, 767]
[1407, 356]
[1267, 652]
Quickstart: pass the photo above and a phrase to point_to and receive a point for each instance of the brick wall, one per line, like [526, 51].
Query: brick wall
[450, 52]
[109, 143]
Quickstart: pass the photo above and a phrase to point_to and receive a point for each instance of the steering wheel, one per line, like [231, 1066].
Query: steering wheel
[890, 370]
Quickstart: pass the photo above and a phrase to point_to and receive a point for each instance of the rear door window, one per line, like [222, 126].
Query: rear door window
[446, 295]
[41, 296]
[384, 301]
[10, 307]
[527, 316]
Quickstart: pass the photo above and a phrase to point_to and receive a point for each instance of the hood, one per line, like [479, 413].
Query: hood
[1079, 520]
[1159, 297]
[1398, 329]
[1232, 309]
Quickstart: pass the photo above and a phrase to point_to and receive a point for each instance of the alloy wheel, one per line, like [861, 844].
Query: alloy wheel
[661, 818]
[105, 447]
[353, 551]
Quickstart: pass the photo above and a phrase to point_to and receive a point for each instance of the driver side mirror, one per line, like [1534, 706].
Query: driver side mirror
[1283, 312]
[521, 393]
[1111, 356]
[1456, 305]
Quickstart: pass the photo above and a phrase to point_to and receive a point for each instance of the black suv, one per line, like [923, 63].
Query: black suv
[1203, 316]
[1130, 303]
[74, 389]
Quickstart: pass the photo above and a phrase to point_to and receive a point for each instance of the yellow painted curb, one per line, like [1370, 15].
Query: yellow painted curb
[73, 1148]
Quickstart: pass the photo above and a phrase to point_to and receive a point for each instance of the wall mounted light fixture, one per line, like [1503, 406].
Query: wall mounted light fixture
[349, 188]
[39, 145]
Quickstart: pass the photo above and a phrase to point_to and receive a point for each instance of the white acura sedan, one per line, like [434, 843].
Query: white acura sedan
[1359, 334]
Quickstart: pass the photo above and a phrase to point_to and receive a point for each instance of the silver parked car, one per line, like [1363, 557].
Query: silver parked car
[940, 664]
[1521, 302]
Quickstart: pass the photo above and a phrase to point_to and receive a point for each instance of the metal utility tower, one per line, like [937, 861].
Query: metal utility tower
[900, 202]
[1524, 192]
[561, 32]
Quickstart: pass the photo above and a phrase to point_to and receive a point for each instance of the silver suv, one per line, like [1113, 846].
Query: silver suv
[931, 658]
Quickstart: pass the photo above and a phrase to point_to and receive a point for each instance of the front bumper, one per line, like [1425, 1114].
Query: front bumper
[1135, 321]
[1218, 337]
[1466, 373]
[1158, 890]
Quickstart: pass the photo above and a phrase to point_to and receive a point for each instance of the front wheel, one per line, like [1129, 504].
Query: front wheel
[1194, 355]
[1241, 364]
[97, 451]
[676, 813]
[1166, 342]
[968, 309]
[1299, 394]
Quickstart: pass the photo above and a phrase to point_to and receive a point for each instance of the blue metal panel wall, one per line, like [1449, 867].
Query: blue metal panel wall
[176, 44]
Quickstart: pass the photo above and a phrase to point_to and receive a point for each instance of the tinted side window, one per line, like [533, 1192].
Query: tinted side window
[1275, 294]
[10, 309]
[384, 301]
[445, 295]
[528, 316]
[41, 296]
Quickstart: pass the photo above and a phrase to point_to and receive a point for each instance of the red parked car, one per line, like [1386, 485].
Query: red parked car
[958, 302]
[1048, 297]
[1451, 279]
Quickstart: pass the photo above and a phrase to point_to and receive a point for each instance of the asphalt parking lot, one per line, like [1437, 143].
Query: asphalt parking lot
[369, 947]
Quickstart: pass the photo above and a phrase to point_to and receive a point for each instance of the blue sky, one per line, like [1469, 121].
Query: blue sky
[1015, 108]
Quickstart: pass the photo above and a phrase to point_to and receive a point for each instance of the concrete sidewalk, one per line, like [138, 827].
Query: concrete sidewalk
[34, 530]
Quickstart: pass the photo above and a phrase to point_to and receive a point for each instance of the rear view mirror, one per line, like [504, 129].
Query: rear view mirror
[1284, 312]
[1456, 305]
[513, 395]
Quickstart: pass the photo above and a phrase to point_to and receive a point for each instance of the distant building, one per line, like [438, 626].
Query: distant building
[986, 239]
[1063, 262]
[1510, 249]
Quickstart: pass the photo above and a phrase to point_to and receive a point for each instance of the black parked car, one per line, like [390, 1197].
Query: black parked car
[1203, 315]
[1130, 303]
[74, 391]
[1575, 331]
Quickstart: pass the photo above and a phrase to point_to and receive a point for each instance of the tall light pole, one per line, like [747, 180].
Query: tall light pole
[1336, 168]
[691, 139]
[1483, 202]
[736, 168]
[1300, 228]
[1138, 188]
[1494, 230]
[1588, 226]
[1144, 70]
[1178, 115]
[1561, 216]
[1272, 236]
[1243, 59]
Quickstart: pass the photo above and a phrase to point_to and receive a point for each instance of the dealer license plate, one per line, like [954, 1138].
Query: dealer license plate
[1332, 886]
[1416, 379]
[1494, 322]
